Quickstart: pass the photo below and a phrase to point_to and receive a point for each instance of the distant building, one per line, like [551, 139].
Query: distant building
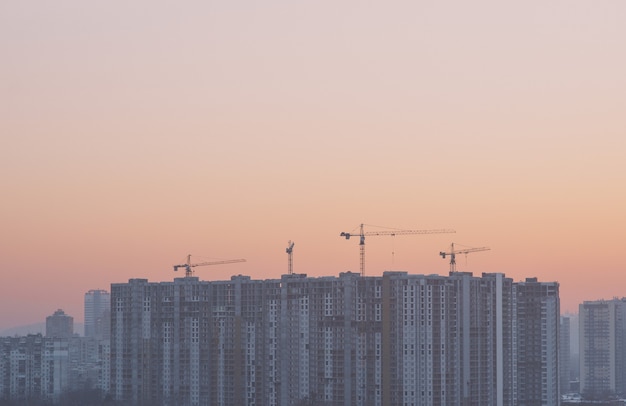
[97, 314]
[36, 369]
[602, 326]
[59, 325]
[574, 338]
[399, 339]
[565, 354]
[33, 368]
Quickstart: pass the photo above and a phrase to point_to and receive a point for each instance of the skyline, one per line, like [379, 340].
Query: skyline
[136, 134]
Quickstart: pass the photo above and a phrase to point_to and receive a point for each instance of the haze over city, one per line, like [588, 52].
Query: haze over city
[136, 133]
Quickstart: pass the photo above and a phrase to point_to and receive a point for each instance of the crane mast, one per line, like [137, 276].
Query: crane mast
[188, 265]
[391, 232]
[452, 254]
[289, 251]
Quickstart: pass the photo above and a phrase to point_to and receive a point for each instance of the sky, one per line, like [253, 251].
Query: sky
[135, 133]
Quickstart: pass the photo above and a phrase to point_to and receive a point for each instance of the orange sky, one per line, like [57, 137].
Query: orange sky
[134, 134]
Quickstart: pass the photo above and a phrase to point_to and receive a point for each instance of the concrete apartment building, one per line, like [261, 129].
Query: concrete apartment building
[399, 339]
[59, 325]
[36, 368]
[565, 359]
[538, 327]
[97, 314]
[33, 368]
[602, 327]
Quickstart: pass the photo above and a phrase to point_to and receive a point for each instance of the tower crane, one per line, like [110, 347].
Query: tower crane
[392, 232]
[189, 265]
[289, 251]
[453, 253]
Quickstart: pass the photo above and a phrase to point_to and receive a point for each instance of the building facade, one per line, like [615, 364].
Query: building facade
[399, 339]
[537, 316]
[59, 325]
[565, 350]
[97, 314]
[33, 368]
[602, 327]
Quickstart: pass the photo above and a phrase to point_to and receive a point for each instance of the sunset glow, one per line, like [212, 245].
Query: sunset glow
[134, 134]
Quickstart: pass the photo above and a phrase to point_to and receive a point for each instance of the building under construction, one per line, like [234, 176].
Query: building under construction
[396, 339]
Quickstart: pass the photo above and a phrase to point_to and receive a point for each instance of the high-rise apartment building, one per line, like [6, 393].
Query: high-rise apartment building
[565, 354]
[538, 319]
[59, 325]
[97, 314]
[602, 327]
[574, 345]
[399, 339]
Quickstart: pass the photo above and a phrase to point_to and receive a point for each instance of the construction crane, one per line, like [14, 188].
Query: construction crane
[391, 232]
[189, 265]
[289, 251]
[453, 252]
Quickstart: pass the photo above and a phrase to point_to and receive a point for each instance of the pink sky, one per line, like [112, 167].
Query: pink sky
[134, 134]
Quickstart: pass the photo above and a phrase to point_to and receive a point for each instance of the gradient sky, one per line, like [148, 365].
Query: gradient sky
[135, 133]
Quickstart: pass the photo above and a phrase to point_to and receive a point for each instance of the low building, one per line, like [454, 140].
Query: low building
[33, 368]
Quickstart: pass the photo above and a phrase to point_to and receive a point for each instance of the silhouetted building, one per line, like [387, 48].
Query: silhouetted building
[602, 327]
[98, 314]
[398, 339]
[59, 325]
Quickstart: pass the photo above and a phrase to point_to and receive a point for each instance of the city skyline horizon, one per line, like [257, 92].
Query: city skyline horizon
[390, 339]
[39, 326]
[134, 134]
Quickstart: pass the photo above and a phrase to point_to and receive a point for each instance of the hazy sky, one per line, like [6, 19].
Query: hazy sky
[135, 133]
